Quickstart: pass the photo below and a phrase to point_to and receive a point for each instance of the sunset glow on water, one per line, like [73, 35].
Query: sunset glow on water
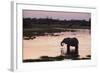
[50, 45]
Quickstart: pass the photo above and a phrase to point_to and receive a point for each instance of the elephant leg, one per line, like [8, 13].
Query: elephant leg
[68, 50]
[76, 50]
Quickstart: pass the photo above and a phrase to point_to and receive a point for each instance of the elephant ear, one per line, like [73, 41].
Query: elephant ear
[68, 38]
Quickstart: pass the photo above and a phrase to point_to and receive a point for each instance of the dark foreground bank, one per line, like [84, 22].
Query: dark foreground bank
[57, 58]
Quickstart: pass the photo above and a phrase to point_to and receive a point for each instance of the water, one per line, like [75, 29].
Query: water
[50, 45]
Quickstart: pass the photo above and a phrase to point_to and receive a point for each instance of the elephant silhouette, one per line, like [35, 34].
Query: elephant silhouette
[71, 42]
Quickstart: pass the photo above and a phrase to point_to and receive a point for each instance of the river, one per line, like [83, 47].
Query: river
[50, 45]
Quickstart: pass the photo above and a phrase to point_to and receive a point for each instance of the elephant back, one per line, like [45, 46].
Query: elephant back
[75, 40]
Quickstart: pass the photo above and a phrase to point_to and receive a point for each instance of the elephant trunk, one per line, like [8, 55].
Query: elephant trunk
[62, 43]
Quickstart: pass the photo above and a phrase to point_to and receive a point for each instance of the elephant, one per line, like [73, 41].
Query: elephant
[71, 42]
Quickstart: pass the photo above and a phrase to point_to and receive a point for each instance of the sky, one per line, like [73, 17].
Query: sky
[56, 15]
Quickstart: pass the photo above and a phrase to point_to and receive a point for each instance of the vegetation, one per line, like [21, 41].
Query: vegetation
[40, 26]
[56, 58]
[44, 22]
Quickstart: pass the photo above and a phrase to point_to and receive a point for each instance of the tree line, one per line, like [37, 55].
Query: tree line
[31, 22]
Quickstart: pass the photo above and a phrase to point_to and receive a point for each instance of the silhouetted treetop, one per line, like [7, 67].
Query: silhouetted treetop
[31, 22]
